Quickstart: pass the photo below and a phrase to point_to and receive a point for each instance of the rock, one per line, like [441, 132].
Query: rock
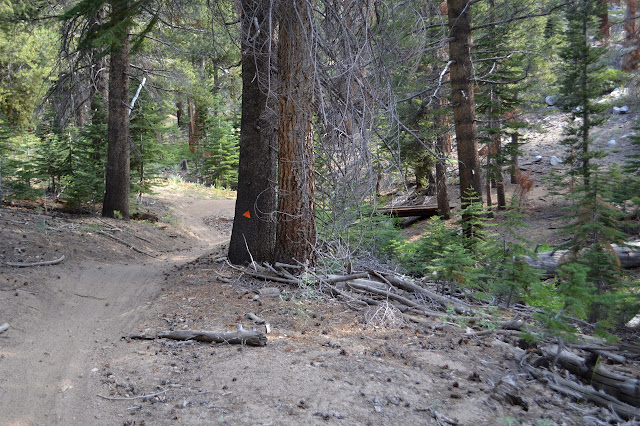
[270, 292]
[612, 142]
[538, 158]
[551, 100]
[621, 110]
[554, 160]
[617, 92]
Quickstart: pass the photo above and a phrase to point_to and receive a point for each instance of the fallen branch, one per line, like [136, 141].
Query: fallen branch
[458, 305]
[125, 243]
[19, 289]
[384, 293]
[240, 337]
[286, 265]
[111, 398]
[263, 276]
[332, 279]
[43, 263]
[256, 319]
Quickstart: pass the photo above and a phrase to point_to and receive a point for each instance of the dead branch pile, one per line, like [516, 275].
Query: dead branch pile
[575, 371]
[371, 288]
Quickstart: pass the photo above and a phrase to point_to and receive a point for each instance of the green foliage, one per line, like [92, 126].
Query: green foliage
[27, 55]
[122, 17]
[575, 294]
[220, 146]
[593, 221]
[55, 159]
[360, 232]
[582, 74]
[487, 267]
[18, 165]
[146, 129]
[626, 188]
[509, 277]
[85, 183]
[504, 64]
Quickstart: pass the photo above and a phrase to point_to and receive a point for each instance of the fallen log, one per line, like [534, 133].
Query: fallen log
[579, 391]
[407, 211]
[621, 387]
[240, 337]
[550, 261]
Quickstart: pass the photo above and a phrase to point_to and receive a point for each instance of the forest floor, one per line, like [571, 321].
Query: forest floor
[66, 358]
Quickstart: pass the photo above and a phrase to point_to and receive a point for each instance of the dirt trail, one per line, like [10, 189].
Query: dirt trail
[81, 307]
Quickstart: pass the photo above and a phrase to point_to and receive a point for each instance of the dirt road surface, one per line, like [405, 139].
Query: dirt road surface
[62, 316]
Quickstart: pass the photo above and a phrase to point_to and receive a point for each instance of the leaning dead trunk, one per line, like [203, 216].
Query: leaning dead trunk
[550, 261]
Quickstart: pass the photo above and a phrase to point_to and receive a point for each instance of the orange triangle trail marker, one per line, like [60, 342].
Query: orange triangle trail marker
[247, 214]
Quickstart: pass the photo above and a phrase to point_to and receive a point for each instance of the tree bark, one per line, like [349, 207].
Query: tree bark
[443, 147]
[253, 237]
[462, 98]
[195, 125]
[179, 113]
[495, 151]
[116, 196]
[515, 166]
[605, 26]
[296, 231]
[630, 60]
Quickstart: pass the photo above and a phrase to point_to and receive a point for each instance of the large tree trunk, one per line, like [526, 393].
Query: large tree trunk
[462, 97]
[296, 231]
[253, 233]
[630, 60]
[116, 196]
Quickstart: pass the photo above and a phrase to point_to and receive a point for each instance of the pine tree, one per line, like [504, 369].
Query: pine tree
[221, 154]
[580, 84]
[593, 226]
[501, 68]
[146, 127]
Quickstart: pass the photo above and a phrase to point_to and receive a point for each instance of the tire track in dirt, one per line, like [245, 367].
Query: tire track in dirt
[47, 360]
